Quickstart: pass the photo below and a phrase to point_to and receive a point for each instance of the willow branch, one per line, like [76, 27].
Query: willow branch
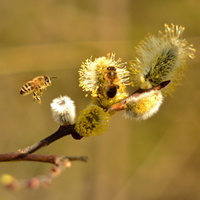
[61, 132]
[25, 154]
[53, 159]
[60, 162]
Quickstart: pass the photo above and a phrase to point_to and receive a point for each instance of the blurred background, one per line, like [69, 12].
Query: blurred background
[150, 160]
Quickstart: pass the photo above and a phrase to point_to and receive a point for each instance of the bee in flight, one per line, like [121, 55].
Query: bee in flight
[111, 82]
[36, 87]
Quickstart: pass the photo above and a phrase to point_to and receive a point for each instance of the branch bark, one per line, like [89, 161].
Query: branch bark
[60, 162]
[61, 132]
[53, 159]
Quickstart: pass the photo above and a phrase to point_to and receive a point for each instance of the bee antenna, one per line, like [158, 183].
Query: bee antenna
[53, 77]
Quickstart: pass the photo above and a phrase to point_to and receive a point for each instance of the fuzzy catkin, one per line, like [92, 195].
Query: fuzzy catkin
[94, 79]
[91, 121]
[160, 58]
[63, 110]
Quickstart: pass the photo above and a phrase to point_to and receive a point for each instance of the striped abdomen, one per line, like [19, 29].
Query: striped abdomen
[28, 88]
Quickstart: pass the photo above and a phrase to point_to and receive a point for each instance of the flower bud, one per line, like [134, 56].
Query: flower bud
[63, 111]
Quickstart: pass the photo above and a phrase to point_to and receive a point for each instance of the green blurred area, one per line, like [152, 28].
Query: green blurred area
[158, 159]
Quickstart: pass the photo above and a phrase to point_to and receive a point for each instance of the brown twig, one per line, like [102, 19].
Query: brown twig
[53, 159]
[61, 132]
[60, 162]
[25, 154]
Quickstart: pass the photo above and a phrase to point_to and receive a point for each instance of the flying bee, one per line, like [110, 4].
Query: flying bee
[111, 82]
[36, 87]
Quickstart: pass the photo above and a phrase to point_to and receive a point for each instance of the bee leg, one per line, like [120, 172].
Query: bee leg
[36, 97]
[39, 92]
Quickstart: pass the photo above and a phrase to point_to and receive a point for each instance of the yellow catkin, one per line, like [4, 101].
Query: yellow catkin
[144, 106]
[96, 80]
[91, 121]
[160, 58]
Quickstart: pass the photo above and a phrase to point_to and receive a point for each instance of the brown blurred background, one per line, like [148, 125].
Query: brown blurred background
[158, 159]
